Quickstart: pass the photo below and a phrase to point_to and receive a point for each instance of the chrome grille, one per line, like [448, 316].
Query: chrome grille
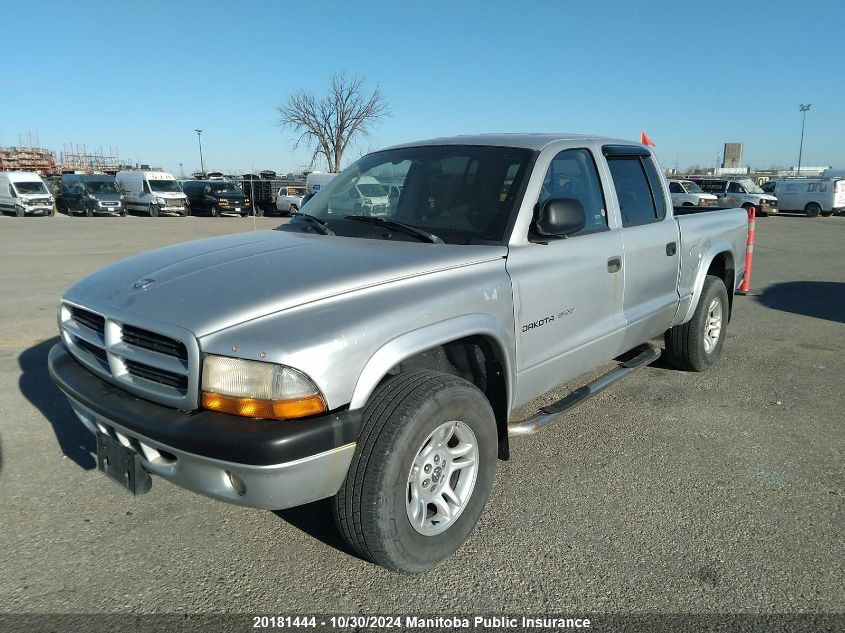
[155, 342]
[159, 365]
[90, 320]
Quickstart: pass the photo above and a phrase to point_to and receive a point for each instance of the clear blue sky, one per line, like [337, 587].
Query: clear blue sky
[142, 75]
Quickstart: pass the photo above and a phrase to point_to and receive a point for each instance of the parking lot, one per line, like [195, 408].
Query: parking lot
[671, 492]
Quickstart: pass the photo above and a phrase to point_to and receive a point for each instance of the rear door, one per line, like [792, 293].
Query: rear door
[650, 240]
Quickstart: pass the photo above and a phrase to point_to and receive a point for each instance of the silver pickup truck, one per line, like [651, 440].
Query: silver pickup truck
[377, 360]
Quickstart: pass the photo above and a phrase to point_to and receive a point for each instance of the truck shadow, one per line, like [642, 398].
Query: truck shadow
[819, 299]
[35, 384]
[315, 519]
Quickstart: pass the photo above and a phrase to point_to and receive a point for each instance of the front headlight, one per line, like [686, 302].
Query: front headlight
[161, 201]
[258, 390]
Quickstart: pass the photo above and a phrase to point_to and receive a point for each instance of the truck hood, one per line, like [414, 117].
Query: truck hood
[209, 285]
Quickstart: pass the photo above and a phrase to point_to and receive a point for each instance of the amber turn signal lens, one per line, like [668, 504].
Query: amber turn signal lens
[273, 409]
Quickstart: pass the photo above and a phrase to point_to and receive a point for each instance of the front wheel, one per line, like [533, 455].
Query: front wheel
[697, 344]
[153, 211]
[215, 212]
[421, 473]
[293, 209]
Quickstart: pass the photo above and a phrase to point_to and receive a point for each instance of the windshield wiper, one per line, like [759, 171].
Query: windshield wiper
[396, 224]
[317, 223]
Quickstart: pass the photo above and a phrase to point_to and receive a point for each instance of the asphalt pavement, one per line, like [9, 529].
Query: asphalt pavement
[671, 492]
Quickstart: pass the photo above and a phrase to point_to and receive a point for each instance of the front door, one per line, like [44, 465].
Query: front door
[568, 292]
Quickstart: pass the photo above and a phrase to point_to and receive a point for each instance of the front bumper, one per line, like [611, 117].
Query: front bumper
[259, 463]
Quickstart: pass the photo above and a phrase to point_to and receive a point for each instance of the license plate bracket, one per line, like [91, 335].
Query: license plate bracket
[122, 465]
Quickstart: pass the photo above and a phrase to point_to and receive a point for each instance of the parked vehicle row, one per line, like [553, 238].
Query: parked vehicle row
[742, 193]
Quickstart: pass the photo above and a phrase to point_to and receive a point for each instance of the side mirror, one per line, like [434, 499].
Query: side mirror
[207, 190]
[560, 217]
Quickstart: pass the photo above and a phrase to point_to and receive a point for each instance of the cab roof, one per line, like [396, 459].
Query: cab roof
[532, 141]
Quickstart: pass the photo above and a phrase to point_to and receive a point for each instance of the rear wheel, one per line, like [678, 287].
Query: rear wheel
[697, 344]
[421, 472]
[812, 210]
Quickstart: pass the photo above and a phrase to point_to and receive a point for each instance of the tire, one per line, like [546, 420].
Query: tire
[293, 209]
[123, 214]
[812, 210]
[373, 507]
[691, 346]
[153, 210]
[88, 212]
[19, 212]
[215, 212]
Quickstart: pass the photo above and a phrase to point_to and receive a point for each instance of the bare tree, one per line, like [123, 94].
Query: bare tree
[330, 123]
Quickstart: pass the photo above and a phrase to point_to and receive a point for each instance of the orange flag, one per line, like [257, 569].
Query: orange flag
[646, 140]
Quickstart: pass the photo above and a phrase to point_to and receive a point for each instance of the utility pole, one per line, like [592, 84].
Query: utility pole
[803, 109]
[199, 139]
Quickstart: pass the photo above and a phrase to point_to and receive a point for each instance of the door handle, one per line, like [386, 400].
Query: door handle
[671, 248]
[614, 264]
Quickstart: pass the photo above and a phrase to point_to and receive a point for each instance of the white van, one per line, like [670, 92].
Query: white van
[316, 180]
[152, 193]
[685, 193]
[24, 193]
[813, 196]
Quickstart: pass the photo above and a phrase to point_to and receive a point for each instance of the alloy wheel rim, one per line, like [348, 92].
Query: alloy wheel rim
[442, 478]
[713, 326]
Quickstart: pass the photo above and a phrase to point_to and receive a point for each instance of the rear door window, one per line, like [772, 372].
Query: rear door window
[636, 200]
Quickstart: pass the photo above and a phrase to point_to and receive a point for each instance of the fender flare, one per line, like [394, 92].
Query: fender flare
[415, 341]
[704, 261]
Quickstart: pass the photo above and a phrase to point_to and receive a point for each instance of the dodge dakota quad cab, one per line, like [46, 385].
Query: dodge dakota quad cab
[377, 360]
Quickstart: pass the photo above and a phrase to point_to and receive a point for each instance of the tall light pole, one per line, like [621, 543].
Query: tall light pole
[181, 171]
[199, 140]
[803, 109]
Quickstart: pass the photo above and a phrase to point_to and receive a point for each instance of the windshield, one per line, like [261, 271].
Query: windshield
[464, 194]
[165, 186]
[691, 187]
[750, 187]
[30, 187]
[372, 191]
[101, 186]
[224, 187]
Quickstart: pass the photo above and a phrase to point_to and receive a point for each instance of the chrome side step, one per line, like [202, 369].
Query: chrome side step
[648, 353]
